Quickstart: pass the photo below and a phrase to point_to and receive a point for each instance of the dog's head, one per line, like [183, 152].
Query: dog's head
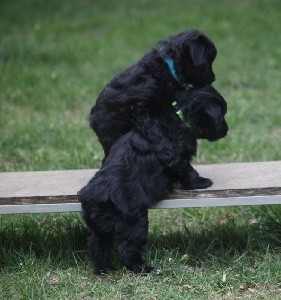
[204, 110]
[193, 54]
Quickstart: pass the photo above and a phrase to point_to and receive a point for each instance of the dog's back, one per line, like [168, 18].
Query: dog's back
[152, 82]
[131, 176]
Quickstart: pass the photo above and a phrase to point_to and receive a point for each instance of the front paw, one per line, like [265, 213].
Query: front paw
[142, 269]
[198, 183]
[104, 270]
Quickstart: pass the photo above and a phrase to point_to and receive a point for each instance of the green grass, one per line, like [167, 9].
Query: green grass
[201, 254]
[55, 57]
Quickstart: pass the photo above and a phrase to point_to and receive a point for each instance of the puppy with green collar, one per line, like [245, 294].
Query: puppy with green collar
[135, 176]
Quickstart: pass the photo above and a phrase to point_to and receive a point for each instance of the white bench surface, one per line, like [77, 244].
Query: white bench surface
[55, 191]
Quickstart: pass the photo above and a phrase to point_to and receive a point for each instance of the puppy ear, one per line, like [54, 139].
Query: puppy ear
[197, 51]
[201, 49]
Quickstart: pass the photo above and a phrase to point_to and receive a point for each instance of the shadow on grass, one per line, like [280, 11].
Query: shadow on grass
[223, 242]
[62, 239]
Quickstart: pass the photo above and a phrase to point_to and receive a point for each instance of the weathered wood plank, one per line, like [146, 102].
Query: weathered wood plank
[170, 203]
[241, 182]
[43, 183]
[178, 194]
[40, 208]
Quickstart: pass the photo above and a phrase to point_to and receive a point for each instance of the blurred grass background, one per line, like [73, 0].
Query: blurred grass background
[55, 58]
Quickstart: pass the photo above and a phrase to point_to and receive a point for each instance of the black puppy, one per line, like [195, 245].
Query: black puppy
[204, 110]
[150, 85]
[132, 179]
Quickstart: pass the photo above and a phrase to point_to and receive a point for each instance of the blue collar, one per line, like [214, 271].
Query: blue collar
[171, 66]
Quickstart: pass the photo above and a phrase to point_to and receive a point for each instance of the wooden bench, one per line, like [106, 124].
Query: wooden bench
[256, 183]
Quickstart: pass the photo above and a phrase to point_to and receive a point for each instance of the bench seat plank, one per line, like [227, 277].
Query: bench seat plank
[55, 191]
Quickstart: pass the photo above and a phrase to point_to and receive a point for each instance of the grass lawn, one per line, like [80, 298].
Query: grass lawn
[55, 57]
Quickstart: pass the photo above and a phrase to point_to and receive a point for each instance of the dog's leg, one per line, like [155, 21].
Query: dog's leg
[190, 179]
[156, 140]
[133, 241]
[100, 246]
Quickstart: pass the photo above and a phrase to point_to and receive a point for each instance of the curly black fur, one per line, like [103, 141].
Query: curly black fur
[148, 85]
[137, 173]
[204, 111]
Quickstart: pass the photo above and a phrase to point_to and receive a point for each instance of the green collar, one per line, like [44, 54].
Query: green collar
[179, 112]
